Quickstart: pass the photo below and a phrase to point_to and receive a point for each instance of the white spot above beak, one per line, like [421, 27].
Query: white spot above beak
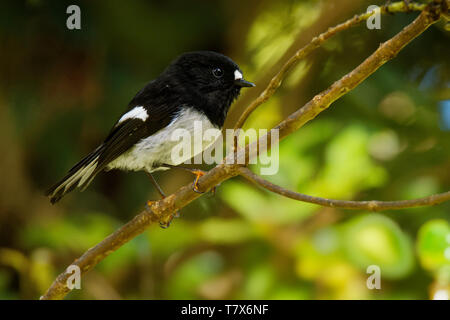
[237, 75]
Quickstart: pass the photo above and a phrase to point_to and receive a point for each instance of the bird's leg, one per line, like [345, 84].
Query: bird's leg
[197, 172]
[166, 224]
[156, 185]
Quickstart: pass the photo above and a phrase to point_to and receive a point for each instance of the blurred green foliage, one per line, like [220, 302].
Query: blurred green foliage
[61, 90]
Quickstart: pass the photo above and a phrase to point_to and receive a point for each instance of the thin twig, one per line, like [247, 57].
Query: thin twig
[372, 205]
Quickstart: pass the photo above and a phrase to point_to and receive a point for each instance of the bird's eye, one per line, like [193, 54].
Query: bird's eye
[217, 72]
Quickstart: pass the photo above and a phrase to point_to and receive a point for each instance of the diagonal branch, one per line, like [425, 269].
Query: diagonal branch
[315, 43]
[162, 210]
[372, 205]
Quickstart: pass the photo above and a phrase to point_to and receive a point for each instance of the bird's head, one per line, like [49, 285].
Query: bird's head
[209, 71]
[213, 79]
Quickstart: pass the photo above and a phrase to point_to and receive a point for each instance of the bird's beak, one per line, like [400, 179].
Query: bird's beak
[243, 83]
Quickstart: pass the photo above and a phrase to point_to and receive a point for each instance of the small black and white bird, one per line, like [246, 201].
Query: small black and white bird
[197, 86]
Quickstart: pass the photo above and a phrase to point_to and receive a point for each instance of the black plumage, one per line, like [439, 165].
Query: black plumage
[195, 84]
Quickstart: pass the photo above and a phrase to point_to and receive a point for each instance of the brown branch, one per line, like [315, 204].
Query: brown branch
[162, 210]
[372, 205]
[315, 43]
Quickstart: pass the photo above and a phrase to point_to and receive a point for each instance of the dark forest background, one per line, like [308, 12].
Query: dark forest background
[61, 90]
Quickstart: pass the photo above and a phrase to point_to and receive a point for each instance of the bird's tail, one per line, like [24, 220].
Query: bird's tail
[80, 176]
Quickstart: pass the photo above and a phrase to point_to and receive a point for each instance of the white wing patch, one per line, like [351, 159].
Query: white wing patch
[135, 113]
[157, 148]
[237, 75]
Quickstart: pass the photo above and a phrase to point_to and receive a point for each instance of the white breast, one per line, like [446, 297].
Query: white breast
[157, 149]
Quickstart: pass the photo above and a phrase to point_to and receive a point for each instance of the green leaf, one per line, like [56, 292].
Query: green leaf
[432, 242]
[377, 240]
[225, 231]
